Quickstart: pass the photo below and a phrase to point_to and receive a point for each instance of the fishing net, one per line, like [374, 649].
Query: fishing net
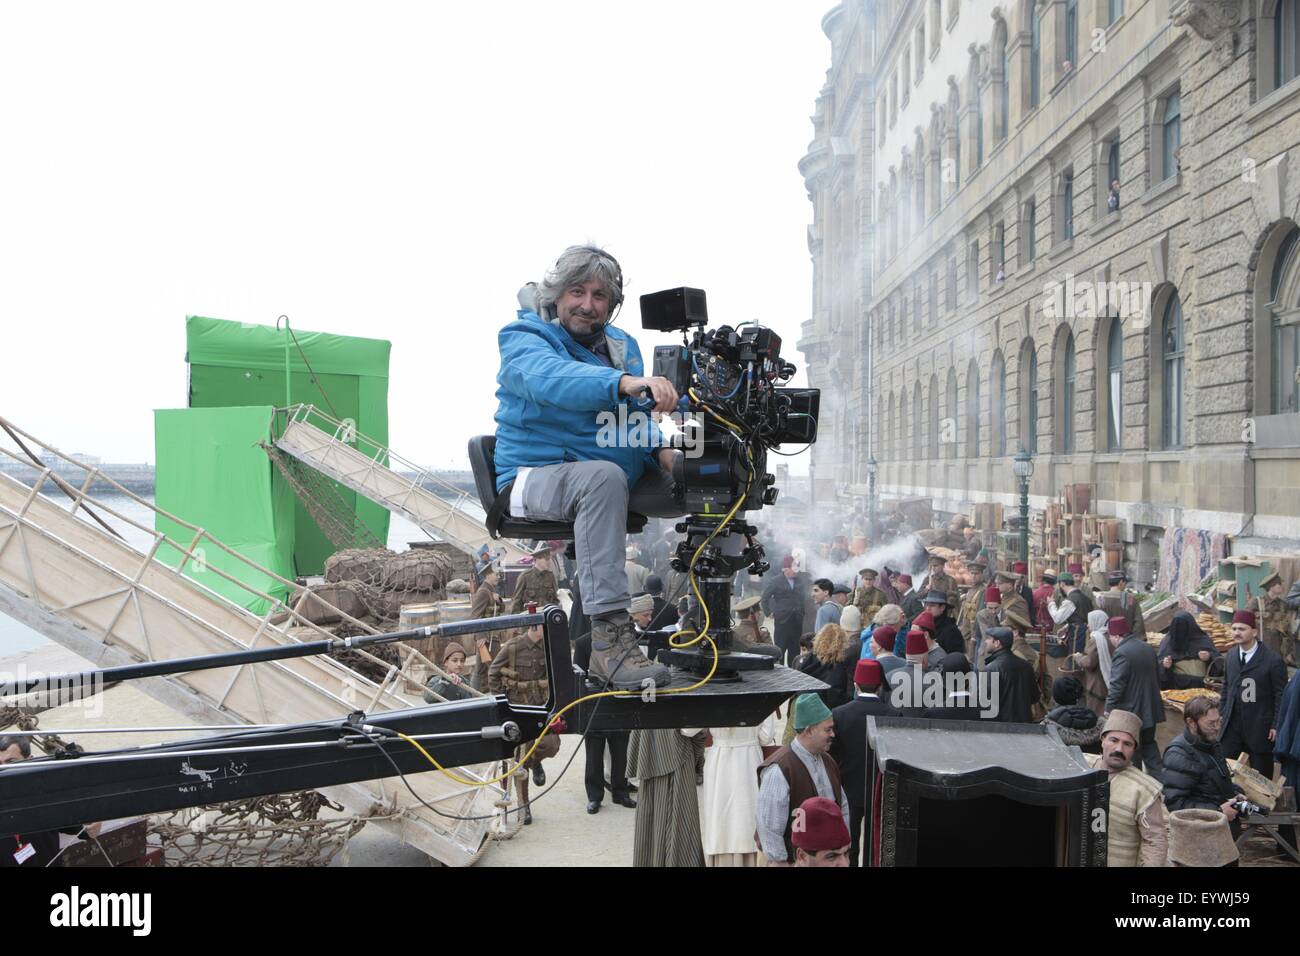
[337, 520]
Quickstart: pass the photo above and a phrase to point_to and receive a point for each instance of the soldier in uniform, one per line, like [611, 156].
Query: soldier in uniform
[868, 597]
[519, 672]
[747, 630]
[486, 603]
[972, 603]
[1121, 602]
[537, 584]
[453, 686]
[940, 581]
[1276, 622]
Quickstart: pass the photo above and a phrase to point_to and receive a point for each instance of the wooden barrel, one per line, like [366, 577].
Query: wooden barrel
[422, 615]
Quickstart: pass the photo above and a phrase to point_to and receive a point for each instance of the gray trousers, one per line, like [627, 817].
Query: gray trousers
[594, 496]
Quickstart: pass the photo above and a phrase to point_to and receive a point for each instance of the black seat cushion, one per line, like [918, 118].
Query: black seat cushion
[482, 461]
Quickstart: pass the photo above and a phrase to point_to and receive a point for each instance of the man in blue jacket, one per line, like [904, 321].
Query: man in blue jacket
[576, 442]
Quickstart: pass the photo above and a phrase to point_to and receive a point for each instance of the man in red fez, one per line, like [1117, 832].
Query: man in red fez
[819, 835]
[1252, 695]
[849, 747]
[1134, 686]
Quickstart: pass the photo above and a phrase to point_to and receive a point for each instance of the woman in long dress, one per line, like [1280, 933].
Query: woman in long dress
[730, 799]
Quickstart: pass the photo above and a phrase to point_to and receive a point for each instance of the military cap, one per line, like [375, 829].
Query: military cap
[1271, 580]
[748, 604]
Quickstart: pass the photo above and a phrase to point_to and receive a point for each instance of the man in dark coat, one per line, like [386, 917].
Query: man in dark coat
[1012, 679]
[783, 601]
[1134, 686]
[1252, 695]
[1196, 774]
[946, 633]
[960, 702]
[595, 743]
[849, 748]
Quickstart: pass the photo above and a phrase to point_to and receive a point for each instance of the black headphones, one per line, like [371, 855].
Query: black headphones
[618, 270]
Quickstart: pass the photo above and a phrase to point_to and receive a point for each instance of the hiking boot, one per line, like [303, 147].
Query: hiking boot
[614, 641]
[539, 775]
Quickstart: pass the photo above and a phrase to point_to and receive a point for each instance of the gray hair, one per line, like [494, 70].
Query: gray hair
[24, 745]
[580, 264]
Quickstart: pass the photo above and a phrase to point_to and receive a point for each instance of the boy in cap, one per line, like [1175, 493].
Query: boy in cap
[1135, 814]
[802, 769]
[821, 838]
[453, 686]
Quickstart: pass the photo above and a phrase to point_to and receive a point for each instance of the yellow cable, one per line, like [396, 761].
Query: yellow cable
[672, 642]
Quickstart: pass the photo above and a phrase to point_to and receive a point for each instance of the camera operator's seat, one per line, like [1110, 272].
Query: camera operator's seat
[482, 460]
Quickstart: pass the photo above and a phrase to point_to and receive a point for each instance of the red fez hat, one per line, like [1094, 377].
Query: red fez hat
[868, 673]
[992, 595]
[1118, 627]
[819, 826]
[1075, 569]
[925, 621]
[1244, 617]
[787, 561]
[916, 643]
[1020, 567]
[905, 579]
[884, 636]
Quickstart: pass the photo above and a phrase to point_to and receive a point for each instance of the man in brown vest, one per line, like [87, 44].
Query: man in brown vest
[794, 773]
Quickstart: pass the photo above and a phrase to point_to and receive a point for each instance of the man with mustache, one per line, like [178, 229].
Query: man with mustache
[1135, 815]
[564, 370]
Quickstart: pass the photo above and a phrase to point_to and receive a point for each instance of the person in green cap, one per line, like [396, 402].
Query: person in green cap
[796, 772]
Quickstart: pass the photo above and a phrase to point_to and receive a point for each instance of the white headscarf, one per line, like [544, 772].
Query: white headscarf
[1097, 622]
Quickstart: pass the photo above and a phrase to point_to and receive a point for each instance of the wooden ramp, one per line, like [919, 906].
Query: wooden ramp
[76, 582]
[335, 449]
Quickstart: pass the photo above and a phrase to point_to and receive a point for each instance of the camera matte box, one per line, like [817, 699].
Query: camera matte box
[674, 309]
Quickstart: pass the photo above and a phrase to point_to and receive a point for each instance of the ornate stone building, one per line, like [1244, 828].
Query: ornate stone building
[1067, 225]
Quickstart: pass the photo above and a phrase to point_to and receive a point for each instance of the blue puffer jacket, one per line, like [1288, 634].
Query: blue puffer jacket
[551, 391]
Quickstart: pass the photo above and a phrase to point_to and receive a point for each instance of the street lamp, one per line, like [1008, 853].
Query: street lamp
[872, 468]
[1023, 468]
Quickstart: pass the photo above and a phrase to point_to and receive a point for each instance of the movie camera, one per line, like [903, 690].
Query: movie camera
[733, 382]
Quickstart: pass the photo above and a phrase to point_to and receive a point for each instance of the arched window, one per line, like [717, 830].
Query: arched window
[1065, 377]
[889, 426]
[1029, 397]
[1031, 231]
[998, 413]
[1171, 134]
[1286, 42]
[1002, 53]
[1035, 52]
[1115, 385]
[1171, 358]
[973, 410]
[918, 419]
[1285, 342]
[935, 436]
[950, 414]
[1072, 33]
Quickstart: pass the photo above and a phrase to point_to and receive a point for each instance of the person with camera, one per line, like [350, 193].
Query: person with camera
[565, 370]
[1196, 775]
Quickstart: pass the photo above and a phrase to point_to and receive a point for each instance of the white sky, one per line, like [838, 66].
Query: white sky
[393, 170]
